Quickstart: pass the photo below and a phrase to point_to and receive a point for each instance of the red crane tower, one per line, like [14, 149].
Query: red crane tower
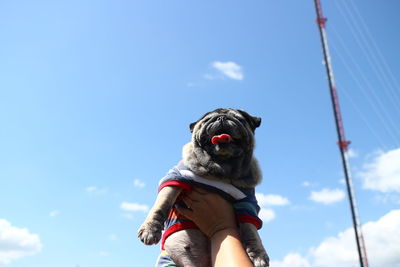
[342, 142]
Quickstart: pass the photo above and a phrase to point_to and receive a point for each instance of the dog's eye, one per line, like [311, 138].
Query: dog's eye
[241, 119]
[206, 120]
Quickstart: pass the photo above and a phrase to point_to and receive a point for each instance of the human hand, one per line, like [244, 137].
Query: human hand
[211, 212]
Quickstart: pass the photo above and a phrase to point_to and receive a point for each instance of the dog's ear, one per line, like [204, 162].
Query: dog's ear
[254, 122]
[191, 126]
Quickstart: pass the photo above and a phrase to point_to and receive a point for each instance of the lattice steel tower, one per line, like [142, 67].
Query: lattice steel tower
[343, 143]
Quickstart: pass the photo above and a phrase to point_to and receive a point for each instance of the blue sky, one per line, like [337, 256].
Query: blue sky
[96, 98]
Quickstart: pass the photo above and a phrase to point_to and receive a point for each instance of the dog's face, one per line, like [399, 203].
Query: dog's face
[225, 133]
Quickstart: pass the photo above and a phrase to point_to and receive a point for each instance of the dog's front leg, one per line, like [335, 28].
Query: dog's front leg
[150, 231]
[253, 245]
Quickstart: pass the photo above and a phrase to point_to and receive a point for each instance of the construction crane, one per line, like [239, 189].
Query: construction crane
[342, 142]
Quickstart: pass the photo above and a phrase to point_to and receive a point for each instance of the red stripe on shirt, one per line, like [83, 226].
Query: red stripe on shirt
[249, 219]
[175, 228]
[187, 188]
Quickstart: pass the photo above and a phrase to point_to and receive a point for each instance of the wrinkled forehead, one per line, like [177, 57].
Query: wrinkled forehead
[223, 111]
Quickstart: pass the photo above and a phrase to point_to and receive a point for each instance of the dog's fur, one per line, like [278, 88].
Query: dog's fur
[232, 163]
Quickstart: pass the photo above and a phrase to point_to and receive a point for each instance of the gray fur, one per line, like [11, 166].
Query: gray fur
[254, 247]
[150, 231]
[189, 248]
[201, 163]
[237, 164]
[232, 163]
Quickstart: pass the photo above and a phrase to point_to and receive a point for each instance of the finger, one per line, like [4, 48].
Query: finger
[200, 190]
[196, 195]
[185, 212]
[188, 201]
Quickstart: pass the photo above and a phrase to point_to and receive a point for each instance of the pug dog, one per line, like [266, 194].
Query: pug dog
[218, 158]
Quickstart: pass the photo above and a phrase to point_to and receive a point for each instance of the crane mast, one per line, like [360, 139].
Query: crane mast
[342, 142]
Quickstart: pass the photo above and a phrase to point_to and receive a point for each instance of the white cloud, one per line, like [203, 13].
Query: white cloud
[336, 251]
[138, 183]
[54, 213]
[266, 215]
[91, 189]
[104, 253]
[134, 207]
[310, 184]
[112, 237]
[382, 240]
[271, 200]
[291, 260]
[229, 69]
[16, 243]
[351, 153]
[388, 198]
[383, 172]
[95, 190]
[327, 196]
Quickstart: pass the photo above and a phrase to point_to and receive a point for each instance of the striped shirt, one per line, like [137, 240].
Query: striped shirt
[243, 199]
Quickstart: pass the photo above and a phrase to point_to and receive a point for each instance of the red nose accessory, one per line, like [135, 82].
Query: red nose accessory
[223, 138]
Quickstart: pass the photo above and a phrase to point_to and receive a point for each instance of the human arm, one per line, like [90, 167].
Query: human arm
[227, 249]
[216, 218]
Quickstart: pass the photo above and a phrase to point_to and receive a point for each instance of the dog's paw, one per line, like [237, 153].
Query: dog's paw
[150, 232]
[258, 256]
